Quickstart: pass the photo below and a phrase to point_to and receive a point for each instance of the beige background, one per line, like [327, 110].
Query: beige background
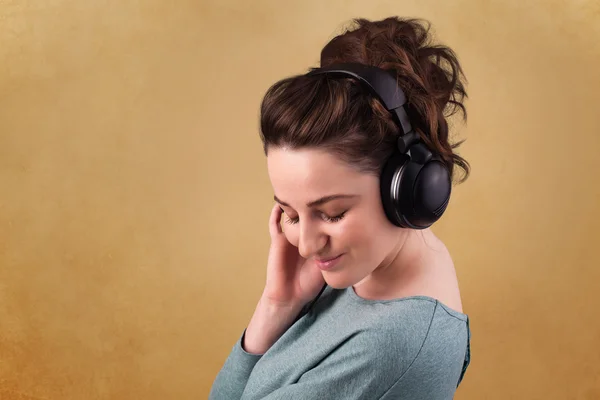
[134, 197]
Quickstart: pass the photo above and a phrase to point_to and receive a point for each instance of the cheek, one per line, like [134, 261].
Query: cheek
[352, 234]
[364, 238]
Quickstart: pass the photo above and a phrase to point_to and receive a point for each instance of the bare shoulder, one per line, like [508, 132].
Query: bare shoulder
[439, 279]
[432, 275]
[428, 272]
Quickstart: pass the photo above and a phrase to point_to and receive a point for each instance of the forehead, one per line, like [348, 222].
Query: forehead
[300, 176]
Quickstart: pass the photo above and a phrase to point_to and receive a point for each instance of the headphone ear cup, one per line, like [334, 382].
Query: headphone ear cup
[425, 192]
[431, 191]
[414, 195]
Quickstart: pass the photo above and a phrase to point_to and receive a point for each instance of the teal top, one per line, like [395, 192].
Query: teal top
[347, 347]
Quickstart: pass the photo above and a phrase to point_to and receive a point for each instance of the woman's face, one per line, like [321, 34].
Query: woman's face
[352, 225]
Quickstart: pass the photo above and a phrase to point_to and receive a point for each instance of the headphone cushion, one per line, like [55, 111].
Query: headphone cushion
[390, 180]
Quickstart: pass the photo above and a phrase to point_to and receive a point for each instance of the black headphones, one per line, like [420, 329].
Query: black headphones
[415, 183]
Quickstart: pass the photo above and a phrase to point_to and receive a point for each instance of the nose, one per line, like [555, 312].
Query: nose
[311, 239]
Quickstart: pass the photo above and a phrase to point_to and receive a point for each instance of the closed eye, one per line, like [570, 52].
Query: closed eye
[325, 217]
[292, 221]
[334, 219]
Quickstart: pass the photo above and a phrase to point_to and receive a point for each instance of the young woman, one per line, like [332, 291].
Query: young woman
[361, 299]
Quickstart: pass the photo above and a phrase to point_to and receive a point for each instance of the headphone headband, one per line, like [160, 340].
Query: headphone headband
[381, 83]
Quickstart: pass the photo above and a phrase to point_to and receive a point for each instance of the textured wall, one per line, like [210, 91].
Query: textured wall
[134, 196]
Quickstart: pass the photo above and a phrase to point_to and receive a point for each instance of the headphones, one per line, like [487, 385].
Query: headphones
[415, 184]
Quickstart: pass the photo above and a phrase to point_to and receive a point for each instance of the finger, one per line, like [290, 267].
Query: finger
[274, 221]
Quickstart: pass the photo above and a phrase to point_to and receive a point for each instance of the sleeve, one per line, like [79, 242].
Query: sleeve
[385, 364]
[231, 380]
[437, 371]
[360, 368]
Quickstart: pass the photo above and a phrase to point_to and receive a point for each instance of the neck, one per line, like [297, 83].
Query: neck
[403, 264]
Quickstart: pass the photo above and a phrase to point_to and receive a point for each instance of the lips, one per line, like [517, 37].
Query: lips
[327, 263]
[324, 260]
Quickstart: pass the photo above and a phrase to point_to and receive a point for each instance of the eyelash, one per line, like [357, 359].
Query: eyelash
[337, 218]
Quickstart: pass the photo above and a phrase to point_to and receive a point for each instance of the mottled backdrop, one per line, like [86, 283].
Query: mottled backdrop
[134, 197]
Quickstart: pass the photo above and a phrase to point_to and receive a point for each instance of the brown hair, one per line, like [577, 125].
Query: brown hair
[337, 116]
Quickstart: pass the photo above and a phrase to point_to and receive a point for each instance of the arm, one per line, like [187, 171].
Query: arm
[267, 325]
[382, 365]
[362, 367]
[231, 379]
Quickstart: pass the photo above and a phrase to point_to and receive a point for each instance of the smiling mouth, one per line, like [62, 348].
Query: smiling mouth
[324, 260]
[329, 263]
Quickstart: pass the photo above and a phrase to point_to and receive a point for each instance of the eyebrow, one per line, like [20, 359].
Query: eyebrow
[320, 201]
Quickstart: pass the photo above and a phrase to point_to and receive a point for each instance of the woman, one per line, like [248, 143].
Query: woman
[361, 299]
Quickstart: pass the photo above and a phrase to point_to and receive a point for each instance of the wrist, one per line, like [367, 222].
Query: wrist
[269, 322]
[278, 307]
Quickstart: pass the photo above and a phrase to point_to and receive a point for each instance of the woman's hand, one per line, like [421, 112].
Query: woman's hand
[292, 280]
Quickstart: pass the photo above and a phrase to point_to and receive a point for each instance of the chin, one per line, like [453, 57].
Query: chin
[341, 281]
